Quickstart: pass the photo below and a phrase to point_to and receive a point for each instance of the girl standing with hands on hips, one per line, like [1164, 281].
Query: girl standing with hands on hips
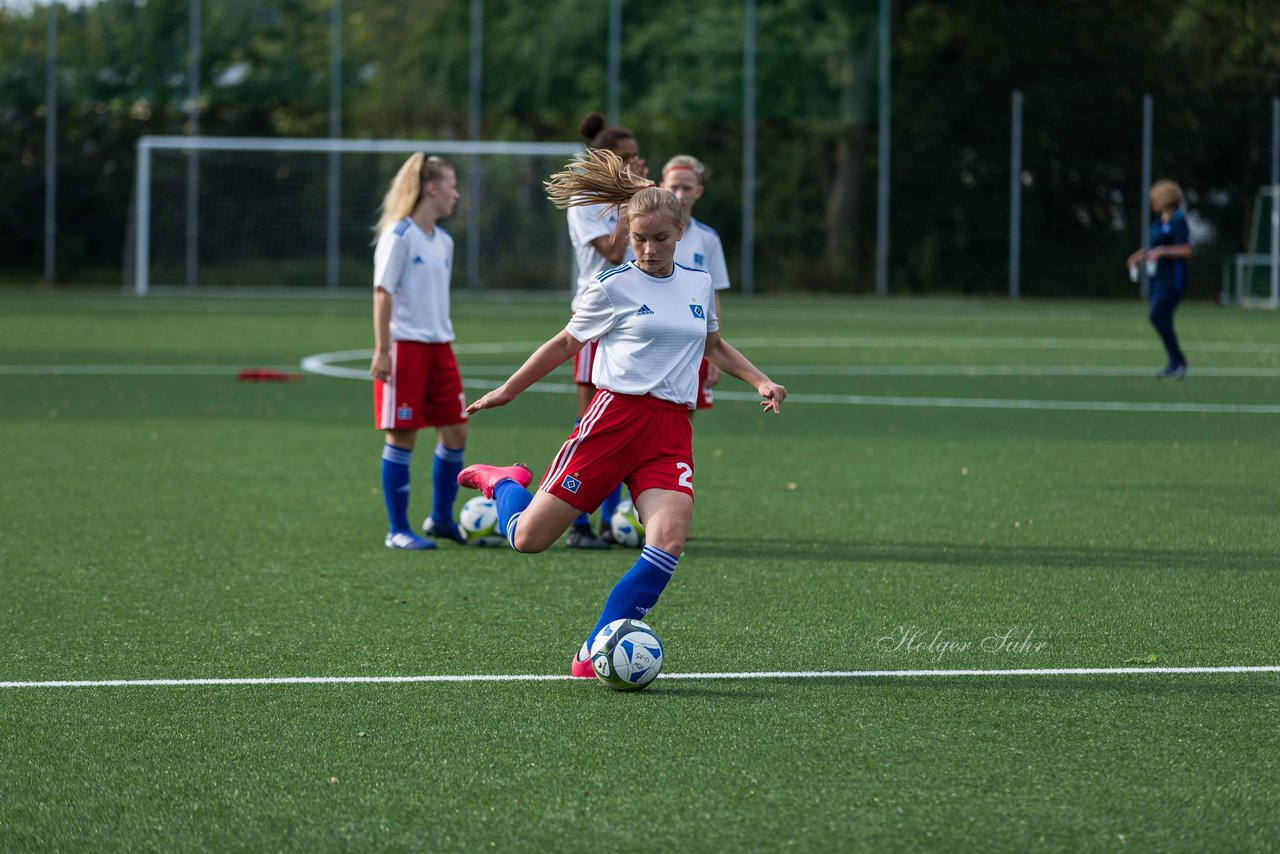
[653, 321]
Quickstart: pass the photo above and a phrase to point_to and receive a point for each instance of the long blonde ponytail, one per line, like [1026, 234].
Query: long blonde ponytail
[600, 177]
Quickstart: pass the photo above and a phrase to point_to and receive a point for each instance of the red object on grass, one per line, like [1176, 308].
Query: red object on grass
[260, 375]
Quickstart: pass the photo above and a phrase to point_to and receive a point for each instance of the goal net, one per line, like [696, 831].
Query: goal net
[1256, 272]
[278, 213]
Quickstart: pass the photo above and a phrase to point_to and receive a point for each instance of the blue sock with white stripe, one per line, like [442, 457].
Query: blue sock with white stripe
[610, 506]
[395, 485]
[444, 480]
[638, 590]
[512, 499]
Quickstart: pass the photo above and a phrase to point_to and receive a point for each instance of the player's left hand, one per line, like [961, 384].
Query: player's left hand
[713, 374]
[773, 395]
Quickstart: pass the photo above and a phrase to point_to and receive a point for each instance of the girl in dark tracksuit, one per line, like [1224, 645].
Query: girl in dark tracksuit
[1170, 251]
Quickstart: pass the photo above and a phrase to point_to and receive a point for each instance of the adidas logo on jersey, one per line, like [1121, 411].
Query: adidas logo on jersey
[417, 259]
[644, 309]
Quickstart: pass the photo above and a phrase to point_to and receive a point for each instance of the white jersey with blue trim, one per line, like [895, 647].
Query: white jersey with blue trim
[414, 268]
[650, 332]
[699, 247]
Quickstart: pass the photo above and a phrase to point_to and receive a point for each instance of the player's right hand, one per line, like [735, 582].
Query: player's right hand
[491, 400]
[380, 367]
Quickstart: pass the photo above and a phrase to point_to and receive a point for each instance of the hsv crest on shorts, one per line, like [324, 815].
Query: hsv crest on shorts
[571, 483]
[404, 412]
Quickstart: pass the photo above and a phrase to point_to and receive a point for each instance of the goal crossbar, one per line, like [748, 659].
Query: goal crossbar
[189, 144]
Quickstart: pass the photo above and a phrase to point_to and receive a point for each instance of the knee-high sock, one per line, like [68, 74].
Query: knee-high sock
[395, 485]
[512, 499]
[638, 590]
[444, 481]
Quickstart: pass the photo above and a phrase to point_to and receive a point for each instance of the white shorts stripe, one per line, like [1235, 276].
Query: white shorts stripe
[557, 463]
[567, 450]
[388, 421]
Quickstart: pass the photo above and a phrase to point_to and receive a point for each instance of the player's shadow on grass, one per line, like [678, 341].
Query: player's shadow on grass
[873, 554]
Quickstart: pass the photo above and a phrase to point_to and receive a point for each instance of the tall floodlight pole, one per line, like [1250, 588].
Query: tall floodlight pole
[193, 156]
[1015, 197]
[748, 146]
[615, 61]
[1147, 110]
[473, 132]
[51, 146]
[333, 238]
[1275, 202]
[882, 172]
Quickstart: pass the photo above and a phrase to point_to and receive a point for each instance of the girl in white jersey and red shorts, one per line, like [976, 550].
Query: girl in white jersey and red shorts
[599, 242]
[416, 379]
[700, 248]
[653, 321]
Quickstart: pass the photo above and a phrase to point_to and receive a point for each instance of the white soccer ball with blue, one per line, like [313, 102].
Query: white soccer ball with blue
[479, 518]
[626, 526]
[626, 655]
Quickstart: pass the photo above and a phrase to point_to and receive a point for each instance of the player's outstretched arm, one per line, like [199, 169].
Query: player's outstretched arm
[724, 356]
[544, 360]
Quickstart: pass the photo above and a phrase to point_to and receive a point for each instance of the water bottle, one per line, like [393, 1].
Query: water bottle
[1152, 266]
[1133, 272]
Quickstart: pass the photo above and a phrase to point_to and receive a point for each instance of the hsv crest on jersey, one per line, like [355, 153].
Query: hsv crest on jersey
[697, 311]
[571, 483]
[699, 259]
[644, 309]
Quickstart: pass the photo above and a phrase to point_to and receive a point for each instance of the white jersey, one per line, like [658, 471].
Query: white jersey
[586, 223]
[651, 332]
[699, 247]
[414, 267]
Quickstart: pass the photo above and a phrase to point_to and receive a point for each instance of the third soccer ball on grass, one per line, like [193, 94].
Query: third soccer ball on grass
[626, 655]
[627, 529]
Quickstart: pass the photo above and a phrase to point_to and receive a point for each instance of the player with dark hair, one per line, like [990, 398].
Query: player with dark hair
[416, 379]
[599, 243]
[652, 320]
[1169, 255]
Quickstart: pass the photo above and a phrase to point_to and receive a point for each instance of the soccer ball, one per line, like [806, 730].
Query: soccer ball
[626, 655]
[479, 518]
[626, 526]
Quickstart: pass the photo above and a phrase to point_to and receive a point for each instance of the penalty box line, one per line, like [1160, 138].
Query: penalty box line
[535, 677]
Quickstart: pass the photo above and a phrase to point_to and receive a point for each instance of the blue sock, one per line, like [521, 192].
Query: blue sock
[512, 499]
[444, 480]
[395, 485]
[638, 590]
[610, 506]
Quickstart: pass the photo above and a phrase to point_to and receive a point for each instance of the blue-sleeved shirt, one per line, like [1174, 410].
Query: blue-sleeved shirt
[1171, 272]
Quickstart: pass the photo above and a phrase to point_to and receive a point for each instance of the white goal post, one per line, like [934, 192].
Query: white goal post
[320, 202]
[1256, 272]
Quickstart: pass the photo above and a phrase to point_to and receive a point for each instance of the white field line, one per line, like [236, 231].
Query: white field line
[537, 677]
[942, 342]
[134, 370]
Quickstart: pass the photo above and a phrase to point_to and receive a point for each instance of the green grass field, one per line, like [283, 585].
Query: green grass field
[954, 485]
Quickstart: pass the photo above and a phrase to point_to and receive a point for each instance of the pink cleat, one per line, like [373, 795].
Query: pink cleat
[581, 669]
[485, 478]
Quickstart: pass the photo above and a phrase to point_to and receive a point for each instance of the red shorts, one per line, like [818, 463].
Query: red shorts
[583, 360]
[641, 441]
[705, 399]
[425, 389]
